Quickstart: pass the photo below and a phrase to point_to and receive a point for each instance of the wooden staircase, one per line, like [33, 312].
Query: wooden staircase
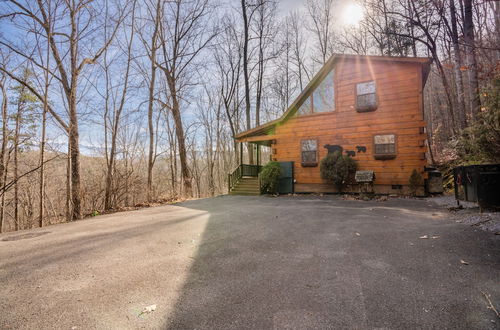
[245, 180]
[247, 186]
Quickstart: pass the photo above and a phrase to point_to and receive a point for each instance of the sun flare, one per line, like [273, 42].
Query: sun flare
[352, 14]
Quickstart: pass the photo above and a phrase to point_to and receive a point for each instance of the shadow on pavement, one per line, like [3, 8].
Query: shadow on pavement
[326, 263]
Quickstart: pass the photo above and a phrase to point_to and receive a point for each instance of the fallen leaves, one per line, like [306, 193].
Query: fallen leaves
[148, 309]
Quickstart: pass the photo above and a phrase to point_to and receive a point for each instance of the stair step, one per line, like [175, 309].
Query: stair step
[243, 190]
[246, 190]
[244, 193]
[248, 186]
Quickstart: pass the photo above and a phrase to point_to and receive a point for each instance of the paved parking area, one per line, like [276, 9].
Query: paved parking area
[234, 262]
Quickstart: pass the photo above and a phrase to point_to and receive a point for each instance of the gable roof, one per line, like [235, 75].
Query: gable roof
[268, 128]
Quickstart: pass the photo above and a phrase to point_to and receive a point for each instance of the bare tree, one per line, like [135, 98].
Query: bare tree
[183, 36]
[151, 44]
[430, 26]
[265, 31]
[67, 38]
[457, 65]
[3, 150]
[321, 14]
[246, 73]
[116, 115]
[45, 103]
[227, 54]
[470, 57]
[299, 48]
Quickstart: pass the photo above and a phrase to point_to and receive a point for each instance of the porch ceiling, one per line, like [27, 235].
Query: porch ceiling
[263, 134]
[263, 140]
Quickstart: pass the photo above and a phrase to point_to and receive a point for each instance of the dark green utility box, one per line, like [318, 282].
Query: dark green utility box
[285, 185]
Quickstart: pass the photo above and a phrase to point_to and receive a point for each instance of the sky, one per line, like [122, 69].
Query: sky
[289, 5]
[89, 137]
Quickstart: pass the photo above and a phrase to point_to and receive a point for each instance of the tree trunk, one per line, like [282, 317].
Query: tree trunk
[108, 196]
[75, 159]
[447, 89]
[16, 160]
[386, 29]
[42, 155]
[73, 135]
[4, 178]
[68, 184]
[457, 65]
[151, 101]
[497, 26]
[246, 75]
[181, 140]
[3, 151]
[470, 56]
[412, 29]
[42, 138]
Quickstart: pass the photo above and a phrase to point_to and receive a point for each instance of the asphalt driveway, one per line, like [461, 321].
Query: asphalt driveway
[235, 262]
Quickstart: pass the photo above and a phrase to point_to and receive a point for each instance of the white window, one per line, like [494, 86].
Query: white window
[366, 96]
[323, 96]
[309, 152]
[384, 146]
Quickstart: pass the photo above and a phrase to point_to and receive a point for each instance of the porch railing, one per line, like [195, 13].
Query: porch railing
[241, 171]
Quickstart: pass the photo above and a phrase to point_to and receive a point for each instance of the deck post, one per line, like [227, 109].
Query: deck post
[241, 153]
[258, 154]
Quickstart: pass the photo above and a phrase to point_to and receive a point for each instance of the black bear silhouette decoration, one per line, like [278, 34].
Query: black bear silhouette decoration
[361, 148]
[332, 148]
[350, 153]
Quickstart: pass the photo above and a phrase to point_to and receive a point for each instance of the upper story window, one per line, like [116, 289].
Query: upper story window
[322, 98]
[366, 96]
[384, 146]
[309, 152]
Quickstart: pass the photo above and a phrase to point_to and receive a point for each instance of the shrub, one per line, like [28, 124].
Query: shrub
[337, 168]
[416, 180]
[269, 177]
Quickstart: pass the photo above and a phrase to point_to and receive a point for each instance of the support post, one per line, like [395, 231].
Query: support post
[258, 154]
[241, 153]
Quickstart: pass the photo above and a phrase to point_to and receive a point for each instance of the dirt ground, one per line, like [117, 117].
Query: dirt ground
[234, 262]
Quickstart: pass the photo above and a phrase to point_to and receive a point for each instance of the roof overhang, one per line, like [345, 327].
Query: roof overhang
[263, 134]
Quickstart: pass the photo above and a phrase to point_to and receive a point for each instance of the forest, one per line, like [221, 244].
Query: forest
[109, 105]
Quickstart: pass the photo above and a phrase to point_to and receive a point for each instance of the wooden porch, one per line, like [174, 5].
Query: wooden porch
[244, 180]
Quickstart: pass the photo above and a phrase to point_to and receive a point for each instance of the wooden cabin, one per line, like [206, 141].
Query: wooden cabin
[369, 107]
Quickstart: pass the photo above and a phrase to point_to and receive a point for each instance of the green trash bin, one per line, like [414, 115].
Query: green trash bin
[285, 184]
